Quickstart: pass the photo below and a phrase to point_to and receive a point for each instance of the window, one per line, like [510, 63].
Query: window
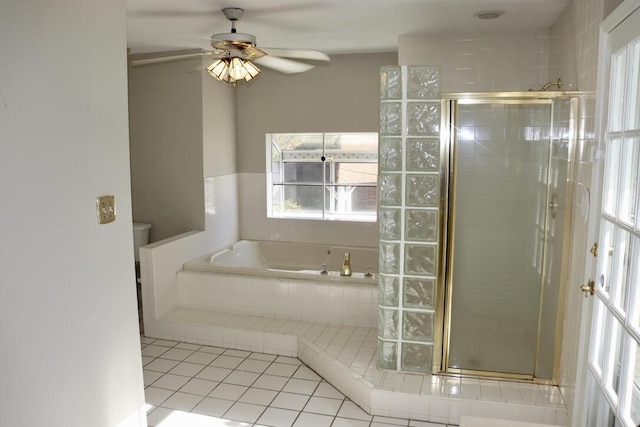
[330, 176]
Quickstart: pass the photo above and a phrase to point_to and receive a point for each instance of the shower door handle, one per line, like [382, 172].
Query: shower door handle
[553, 205]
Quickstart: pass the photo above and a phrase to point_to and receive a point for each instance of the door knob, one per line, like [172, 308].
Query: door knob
[594, 250]
[589, 288]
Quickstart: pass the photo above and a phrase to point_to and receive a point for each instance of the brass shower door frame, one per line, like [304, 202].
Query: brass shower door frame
[444, 284]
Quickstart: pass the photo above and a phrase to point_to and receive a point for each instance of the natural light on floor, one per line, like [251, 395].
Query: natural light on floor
[176, 418]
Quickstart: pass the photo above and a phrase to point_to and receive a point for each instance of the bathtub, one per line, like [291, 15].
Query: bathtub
[292, 261]
[283, 281]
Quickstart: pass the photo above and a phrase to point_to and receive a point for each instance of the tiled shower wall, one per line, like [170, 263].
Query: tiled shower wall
[574, 53]
[409, 181]
[482, 62]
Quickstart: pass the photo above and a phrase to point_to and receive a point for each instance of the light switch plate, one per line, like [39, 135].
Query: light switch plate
[106, 209]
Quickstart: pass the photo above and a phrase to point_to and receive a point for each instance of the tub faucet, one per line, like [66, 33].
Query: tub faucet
[368, 274]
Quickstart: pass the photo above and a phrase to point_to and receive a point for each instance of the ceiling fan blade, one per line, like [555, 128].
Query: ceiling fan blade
[312, 55]
[159, 59]
[283, 65]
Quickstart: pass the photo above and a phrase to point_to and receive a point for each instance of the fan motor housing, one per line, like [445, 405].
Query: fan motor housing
[218, 41]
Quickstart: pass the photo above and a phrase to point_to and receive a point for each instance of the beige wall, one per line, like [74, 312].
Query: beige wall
[219, 127]
[68, 313]
[342, 96]
[183, 151]
[165, 117]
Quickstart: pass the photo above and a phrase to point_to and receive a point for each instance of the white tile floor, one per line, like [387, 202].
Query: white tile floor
[190, 385]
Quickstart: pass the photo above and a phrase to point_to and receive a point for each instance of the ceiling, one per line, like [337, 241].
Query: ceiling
[331, 26]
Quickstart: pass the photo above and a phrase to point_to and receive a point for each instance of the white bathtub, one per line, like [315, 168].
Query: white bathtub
[291, 260]
[283, 280]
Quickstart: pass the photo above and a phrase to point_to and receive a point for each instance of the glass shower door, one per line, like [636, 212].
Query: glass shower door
[500, 202]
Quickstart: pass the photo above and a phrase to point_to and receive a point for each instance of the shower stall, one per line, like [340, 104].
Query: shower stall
[474, 212]
[507, 214]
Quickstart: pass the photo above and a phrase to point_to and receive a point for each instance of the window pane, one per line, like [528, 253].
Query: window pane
[300, 201]
[611, 177]
[302, 142]
[304, 173]
[633, 280]
[595, 397]
[355, 142]
[297, 149]
[633, 108]
[632, 404]
[597, 352]
[628, 180]
[622, 258]
[613, 344]
[606, 260]
[352, 173]
[343, 201]
[276, 163]
[616, 94]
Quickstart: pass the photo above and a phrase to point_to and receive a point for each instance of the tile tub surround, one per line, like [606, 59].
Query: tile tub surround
[346, 357]
[290, 260]
[301, 300]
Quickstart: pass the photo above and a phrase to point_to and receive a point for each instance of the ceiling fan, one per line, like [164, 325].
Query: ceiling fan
[236, 55]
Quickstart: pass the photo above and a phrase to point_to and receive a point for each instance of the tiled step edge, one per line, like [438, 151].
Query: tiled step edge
[182, 325]
[449, 410]
[235, 337]
[349, 383]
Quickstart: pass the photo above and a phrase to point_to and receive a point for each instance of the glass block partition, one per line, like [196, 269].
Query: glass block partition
[408, 200]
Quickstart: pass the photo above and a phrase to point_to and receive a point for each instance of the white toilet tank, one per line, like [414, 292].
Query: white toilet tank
[140, 237]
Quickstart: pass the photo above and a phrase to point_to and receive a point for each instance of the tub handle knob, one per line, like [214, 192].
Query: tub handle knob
[368, 274]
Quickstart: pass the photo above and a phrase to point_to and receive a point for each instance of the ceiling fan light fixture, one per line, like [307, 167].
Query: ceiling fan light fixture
[252, 70]
[236, 69]
[219, 69]
[231, 70]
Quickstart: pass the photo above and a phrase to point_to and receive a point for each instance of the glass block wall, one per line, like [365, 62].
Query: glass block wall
[408, 200]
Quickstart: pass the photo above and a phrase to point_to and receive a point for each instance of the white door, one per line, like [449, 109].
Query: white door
[612, 392]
